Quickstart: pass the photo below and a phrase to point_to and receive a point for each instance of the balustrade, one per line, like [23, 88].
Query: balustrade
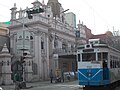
[64, 51]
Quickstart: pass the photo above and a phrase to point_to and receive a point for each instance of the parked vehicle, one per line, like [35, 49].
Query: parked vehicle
[69, 75]
[58, 79]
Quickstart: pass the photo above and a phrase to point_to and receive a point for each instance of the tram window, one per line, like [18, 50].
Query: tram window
[96, 42]
[88, 57]
[105, 56]
[102, 56]
[111, 65]
[99, 57]
[78, 57]
[111, 62]
[117, 64]
[104, 64]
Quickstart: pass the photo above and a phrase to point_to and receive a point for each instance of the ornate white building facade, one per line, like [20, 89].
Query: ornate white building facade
[41, 37]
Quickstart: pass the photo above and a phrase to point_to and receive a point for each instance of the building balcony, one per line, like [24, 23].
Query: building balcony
[64, 51]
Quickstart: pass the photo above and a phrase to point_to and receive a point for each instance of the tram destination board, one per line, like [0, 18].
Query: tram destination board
[88, 50]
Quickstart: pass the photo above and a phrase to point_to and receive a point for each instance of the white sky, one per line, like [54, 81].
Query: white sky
[98, 15]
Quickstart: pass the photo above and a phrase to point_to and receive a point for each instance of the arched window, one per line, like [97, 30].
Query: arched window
[42, 44]
[8, 63]
[31, 37]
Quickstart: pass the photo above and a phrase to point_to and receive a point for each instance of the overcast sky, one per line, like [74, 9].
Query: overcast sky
[98, 15]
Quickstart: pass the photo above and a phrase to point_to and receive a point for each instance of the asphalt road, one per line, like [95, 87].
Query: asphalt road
[57, 87]
[72, 85]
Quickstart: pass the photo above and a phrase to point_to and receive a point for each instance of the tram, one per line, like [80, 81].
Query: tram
[98, 65]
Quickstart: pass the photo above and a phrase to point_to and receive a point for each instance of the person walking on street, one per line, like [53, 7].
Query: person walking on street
[51, 76]
[16, 80]
[62, 74]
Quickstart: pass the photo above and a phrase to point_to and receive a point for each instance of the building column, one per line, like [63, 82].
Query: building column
[5, 59]
[47, 57]
[38, 54]
[50, 41]
[36, 61]
[44, 58]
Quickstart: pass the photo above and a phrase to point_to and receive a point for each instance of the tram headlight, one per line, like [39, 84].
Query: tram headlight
[89, 74]
[1, 88]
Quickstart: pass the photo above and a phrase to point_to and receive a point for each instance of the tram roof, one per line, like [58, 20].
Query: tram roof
[97, 46]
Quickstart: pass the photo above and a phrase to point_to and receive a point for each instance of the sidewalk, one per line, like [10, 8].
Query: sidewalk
[28, 85]
[31, 85]
[39, 83]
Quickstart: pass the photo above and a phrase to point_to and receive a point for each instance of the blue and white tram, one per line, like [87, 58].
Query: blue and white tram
[98, 65]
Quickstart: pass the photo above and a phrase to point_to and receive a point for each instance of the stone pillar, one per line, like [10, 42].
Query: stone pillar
[47, 58]
[20, 13]
[28, 67]
[38, 61]
[50, 41]
[5, 59]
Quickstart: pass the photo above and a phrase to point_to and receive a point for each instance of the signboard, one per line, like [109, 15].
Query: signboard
[55, 56]
[23, 40]
[8, 22]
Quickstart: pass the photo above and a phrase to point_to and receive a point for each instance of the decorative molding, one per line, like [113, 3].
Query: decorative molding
[38, 33]
[51, 37]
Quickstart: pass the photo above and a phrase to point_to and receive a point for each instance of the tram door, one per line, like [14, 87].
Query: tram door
[105, 66]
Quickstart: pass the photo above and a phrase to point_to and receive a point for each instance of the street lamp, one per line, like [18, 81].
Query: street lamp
[55, 40]
[23, 84]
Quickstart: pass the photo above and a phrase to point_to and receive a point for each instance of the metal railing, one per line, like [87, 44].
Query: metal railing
[64, 51]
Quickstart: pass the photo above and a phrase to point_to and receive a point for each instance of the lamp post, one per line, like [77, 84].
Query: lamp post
[56, 24]
[55, 40]
[23, 52]
[23, 84]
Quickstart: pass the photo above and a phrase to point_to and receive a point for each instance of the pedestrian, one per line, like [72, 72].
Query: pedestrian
[51, 76]
[16, 80]
[62, 74]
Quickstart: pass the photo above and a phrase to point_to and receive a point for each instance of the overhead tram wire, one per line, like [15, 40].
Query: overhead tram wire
[107, 24]
[6, 17]
[29, 27]
[102, 18]
[93, 13]
[4, 5]
[16, 20]
[8, 7]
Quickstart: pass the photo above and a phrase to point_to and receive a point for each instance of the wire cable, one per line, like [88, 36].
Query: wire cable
[95, 12]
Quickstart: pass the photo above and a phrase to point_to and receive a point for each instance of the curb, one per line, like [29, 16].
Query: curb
[27, 87]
